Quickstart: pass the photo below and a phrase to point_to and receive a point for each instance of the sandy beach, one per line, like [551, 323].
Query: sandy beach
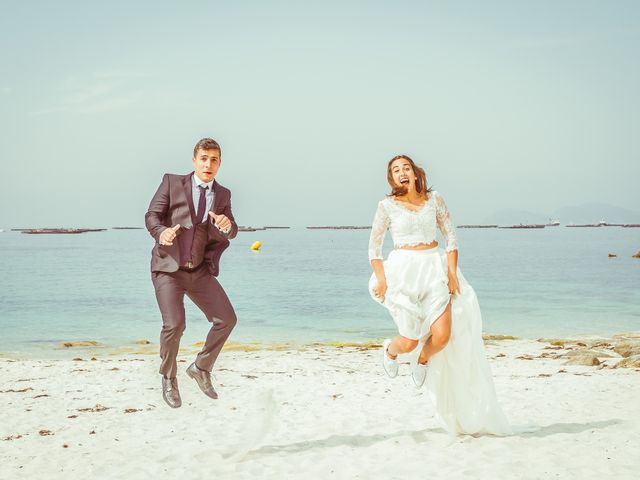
[318, 411]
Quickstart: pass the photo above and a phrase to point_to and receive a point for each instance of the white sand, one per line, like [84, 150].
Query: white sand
[322, 412]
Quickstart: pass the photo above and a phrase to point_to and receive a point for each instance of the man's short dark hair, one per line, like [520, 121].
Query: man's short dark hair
[207, 144]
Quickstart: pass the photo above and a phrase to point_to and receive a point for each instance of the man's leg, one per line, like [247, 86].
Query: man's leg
[170, 295]
[207, 293]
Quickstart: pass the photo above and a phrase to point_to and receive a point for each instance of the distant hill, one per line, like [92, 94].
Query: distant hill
[594, 212]
[587, 213]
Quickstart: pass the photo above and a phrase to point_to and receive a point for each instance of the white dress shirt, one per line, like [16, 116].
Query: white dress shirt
[195, 191]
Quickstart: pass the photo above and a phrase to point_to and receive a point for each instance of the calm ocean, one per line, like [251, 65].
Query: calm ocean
[311, 286]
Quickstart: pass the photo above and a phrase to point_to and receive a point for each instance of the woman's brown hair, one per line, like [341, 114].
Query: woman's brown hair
[421, 179]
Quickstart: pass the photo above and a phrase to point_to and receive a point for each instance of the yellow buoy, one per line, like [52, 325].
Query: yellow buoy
[256, 246]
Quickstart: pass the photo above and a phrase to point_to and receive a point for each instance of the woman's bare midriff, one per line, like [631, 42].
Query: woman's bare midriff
[418, 246]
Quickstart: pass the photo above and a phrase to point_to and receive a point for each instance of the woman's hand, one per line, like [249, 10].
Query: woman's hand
[380, 290]
[454, 286]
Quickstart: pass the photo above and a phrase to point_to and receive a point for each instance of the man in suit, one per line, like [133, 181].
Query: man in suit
[190, 218]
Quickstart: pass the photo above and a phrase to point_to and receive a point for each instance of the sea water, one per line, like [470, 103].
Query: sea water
[311, 286]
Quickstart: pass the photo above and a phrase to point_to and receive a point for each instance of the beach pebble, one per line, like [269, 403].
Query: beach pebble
[627, 349]
[584, 353]
[556, 342]
[629, 362]
[83, 343]
[487, 336]
[587, 359]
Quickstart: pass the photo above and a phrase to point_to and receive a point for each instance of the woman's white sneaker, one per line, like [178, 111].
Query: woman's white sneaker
[419, 374]
[390, 365]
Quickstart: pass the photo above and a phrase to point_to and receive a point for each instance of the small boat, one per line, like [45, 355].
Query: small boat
[48, 231]
[523, 226]
[587, 225]
[342, 227]
[477, 226]
[250, 229]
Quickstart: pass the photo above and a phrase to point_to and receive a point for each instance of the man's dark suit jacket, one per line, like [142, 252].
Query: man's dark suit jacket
[172, 205]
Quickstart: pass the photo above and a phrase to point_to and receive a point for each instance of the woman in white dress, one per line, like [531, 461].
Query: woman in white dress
[432, 304]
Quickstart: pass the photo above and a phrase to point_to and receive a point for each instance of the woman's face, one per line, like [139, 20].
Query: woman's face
[402, 174]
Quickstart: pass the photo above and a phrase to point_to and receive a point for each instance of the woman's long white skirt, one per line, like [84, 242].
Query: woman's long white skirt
[459, 378]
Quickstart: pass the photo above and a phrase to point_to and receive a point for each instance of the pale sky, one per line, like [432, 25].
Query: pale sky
[506, 104]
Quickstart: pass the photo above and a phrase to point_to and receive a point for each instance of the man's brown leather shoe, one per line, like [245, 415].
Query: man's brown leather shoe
[204, 380]
[170, 392]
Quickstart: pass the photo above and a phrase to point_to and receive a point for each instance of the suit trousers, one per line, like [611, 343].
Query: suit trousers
[207, 294]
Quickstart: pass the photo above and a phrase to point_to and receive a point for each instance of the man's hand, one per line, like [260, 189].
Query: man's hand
[221, 221]
[168, 235]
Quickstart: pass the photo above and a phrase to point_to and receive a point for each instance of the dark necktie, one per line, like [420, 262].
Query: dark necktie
[202, 203]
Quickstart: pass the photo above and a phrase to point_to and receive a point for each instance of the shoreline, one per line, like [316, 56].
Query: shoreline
[94, 350]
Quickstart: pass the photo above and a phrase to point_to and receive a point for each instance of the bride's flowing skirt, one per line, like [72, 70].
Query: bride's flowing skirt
[459, 378]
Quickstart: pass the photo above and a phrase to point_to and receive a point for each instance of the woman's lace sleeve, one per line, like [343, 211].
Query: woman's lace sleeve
[378, 229]
[444, 223]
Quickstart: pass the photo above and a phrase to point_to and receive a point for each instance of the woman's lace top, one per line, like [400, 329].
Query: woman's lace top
[411, 228]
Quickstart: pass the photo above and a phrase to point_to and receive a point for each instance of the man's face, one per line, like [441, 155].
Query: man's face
[206, 164]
